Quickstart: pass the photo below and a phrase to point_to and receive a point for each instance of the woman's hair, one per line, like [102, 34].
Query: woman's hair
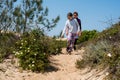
[70, 14]
[76, 13]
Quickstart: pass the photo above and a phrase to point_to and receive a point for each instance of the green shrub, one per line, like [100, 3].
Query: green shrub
[94, 54]
[104, 51]
[101, 55]
[34, 49]
[7, 43]
[110, 33]
[54, 47]
[87, 35]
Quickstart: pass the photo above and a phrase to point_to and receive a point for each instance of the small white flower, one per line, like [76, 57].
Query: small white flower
[25, 41]
[109, 55]
[33, 61]
[34, 39]
[21, 43]
[107, 74]
[20, 47]
[44, 53]
[110, 37]
[33, 65]
[28, 48]
[21, 52]
[17, 53]
[29, 65]
[2, 31]
[35, 54]
[14, 52]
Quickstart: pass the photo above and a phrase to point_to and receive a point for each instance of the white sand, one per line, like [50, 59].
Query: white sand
[66, 70]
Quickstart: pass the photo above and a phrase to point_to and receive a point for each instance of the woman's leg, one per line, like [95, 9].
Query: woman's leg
[75, 43]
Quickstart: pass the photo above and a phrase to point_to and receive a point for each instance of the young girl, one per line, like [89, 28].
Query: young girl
[71, 29]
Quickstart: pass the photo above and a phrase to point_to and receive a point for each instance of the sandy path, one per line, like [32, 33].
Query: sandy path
[66, 70]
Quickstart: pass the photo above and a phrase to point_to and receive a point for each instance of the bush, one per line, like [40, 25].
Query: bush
[101, 55]
[104, 51]
[34, 49]
[7, 43]
[95, 54]
[54, 47]
[87, 35]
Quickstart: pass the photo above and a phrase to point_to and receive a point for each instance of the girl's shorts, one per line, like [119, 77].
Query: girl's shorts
[72, 36]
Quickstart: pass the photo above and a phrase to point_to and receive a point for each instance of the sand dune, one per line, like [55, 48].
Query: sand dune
[66, 70]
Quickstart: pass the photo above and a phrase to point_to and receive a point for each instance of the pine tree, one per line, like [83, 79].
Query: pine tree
[6, 9]
[29, 14]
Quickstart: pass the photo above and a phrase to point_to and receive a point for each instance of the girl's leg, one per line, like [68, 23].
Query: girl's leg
[73, 41]
[68, 45]
[69, 37]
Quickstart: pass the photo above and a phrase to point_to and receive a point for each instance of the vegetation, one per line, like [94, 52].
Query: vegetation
[31, 46]
[104, 51]
[87, 35]
[31, 15]
[7, 43]
[34, 50]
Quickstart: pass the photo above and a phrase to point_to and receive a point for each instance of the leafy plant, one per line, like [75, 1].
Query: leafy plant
[87, 35]
[34, 50]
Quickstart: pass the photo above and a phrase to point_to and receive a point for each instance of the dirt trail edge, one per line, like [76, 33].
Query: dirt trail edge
[66, 70]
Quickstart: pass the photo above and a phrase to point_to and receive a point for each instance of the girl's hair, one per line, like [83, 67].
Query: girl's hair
[70, 14]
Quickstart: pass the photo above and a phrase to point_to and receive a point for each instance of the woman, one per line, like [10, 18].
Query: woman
[75, 15]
